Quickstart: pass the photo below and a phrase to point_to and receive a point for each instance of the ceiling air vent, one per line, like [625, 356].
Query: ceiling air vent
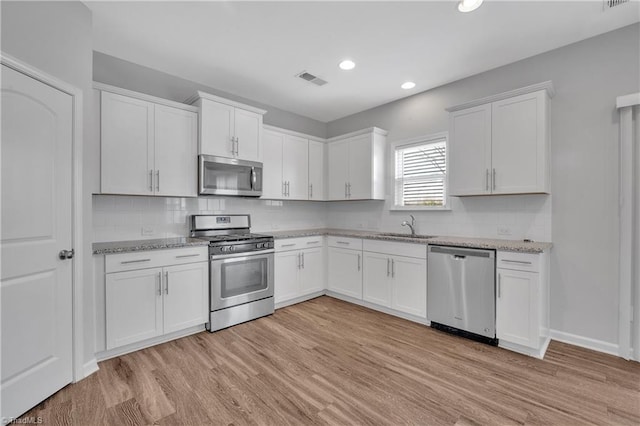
[608, 4]
[311, 78]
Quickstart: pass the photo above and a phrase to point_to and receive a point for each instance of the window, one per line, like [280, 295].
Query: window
[421, 173]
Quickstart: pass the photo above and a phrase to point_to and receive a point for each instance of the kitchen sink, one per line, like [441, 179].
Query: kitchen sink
[398, 234]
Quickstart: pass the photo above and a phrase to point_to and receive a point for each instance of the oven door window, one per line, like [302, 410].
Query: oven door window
[244, 276]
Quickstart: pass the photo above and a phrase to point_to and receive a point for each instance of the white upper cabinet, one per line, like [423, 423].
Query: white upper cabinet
[356, 165]
[229, 129]
[148, 145]
[500, 144]
[317, 170]
[295, 167]
[273, 186]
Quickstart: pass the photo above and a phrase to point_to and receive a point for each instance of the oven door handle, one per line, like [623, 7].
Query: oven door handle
[215, 257]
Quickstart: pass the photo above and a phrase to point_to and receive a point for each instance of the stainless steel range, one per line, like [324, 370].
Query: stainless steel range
[240, 269]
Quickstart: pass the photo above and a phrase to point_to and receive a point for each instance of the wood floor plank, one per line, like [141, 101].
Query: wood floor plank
[328, 362]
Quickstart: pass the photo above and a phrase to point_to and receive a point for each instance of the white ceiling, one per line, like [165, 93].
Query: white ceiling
[254, 49]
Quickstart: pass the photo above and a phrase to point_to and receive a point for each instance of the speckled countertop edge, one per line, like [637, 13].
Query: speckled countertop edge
[146, 245]
[486, 243]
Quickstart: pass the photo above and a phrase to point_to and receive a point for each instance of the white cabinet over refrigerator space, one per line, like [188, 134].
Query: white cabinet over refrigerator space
[228, 128]
[500, 144]
[148, 145]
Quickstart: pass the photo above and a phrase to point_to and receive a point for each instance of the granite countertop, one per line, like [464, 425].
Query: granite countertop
[486, 243]
[145, 245]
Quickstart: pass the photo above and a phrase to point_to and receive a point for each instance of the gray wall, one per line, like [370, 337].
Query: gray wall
[588, 76]
[56, 37]
[118, 72]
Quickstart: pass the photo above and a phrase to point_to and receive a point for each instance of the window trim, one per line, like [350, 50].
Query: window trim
[433, 137]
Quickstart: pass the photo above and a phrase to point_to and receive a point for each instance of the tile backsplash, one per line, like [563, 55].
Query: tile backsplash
[120, 217]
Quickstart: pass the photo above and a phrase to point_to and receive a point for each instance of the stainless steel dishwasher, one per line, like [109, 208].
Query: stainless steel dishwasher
[461, 291]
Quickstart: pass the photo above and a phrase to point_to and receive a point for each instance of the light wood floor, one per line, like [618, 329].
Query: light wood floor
[329, 362]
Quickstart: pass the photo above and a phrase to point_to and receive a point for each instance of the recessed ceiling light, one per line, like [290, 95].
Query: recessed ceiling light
[469, 5]
[408, 85]
[347, 65]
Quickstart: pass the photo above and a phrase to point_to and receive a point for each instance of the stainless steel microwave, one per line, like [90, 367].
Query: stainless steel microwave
[229, 176]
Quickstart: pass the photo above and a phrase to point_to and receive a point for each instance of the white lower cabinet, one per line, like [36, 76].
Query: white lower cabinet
[299, 268]
[522, 321]
[146, 303]
[345, 271]
[396, 282]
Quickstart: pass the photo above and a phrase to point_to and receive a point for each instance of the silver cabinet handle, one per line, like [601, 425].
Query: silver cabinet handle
[349, 189]
[345, 190]
[233, 145]
[522, 262]
[159, 283]
[298, 260]
[166, 282]
[288, 189]
[487, 180]
[499, 285]
[288, 245]
[135, 261]
[358, 262]
[310, 190]
[284, 188]
[237, 145]
[150, 180]
[313, 242]
[187, 255]
[388, 263]
[393, 268]
[494, 179]
[158, 180]
[302, 259]
[343, 242]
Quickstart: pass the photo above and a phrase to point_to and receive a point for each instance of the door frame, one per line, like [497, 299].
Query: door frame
[76, 207]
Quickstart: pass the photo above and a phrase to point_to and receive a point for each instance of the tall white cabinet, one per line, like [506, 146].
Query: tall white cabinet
[227, 128]
[148, 145]
[500, 144]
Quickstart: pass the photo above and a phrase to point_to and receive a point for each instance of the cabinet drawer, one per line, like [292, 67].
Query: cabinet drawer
[345, 242]
[152, 259]
[395, 249]
[286, 244]
[518, 261]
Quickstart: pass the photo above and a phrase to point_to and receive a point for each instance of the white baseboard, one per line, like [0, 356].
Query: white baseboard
[90, 367]
[585, 342]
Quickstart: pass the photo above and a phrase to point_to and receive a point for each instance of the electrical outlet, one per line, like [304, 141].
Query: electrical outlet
[147, 231]
[503, 230]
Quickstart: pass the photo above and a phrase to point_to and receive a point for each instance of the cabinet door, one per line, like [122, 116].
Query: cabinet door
[295, 167]
[316, 171]
[470, 151]
[376, 276]
[134, 306]
[409, 285]
[345, 272]
[286, 267]
[519, 144]
[312, 271]
[248, 133]
[272, 181]
[517, 307]
[126, 146]
[216, 129]
[360, 164]
[186, 291]
[176, 161]
[337, 179]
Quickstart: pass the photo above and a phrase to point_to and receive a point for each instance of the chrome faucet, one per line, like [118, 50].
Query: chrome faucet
[410, 225]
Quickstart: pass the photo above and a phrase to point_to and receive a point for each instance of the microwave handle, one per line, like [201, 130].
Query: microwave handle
[253, 178]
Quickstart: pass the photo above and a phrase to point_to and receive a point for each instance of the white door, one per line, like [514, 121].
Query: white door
[409, 285]
[248, 132]
[338, 158]
[286, 267]
[316, 170]
[272, 181]
[295, 167]
[345, 272]
[134, 306]
[176, 164]
[470, 151]
[185, 302]
[360, 163]
[126, 146]
[217, 129]
[376, 278]
[516, 307]
[312, 270]
[35, 285]
[518, 143]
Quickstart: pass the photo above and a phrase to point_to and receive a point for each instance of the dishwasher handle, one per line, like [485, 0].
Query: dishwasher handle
[462, 253]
